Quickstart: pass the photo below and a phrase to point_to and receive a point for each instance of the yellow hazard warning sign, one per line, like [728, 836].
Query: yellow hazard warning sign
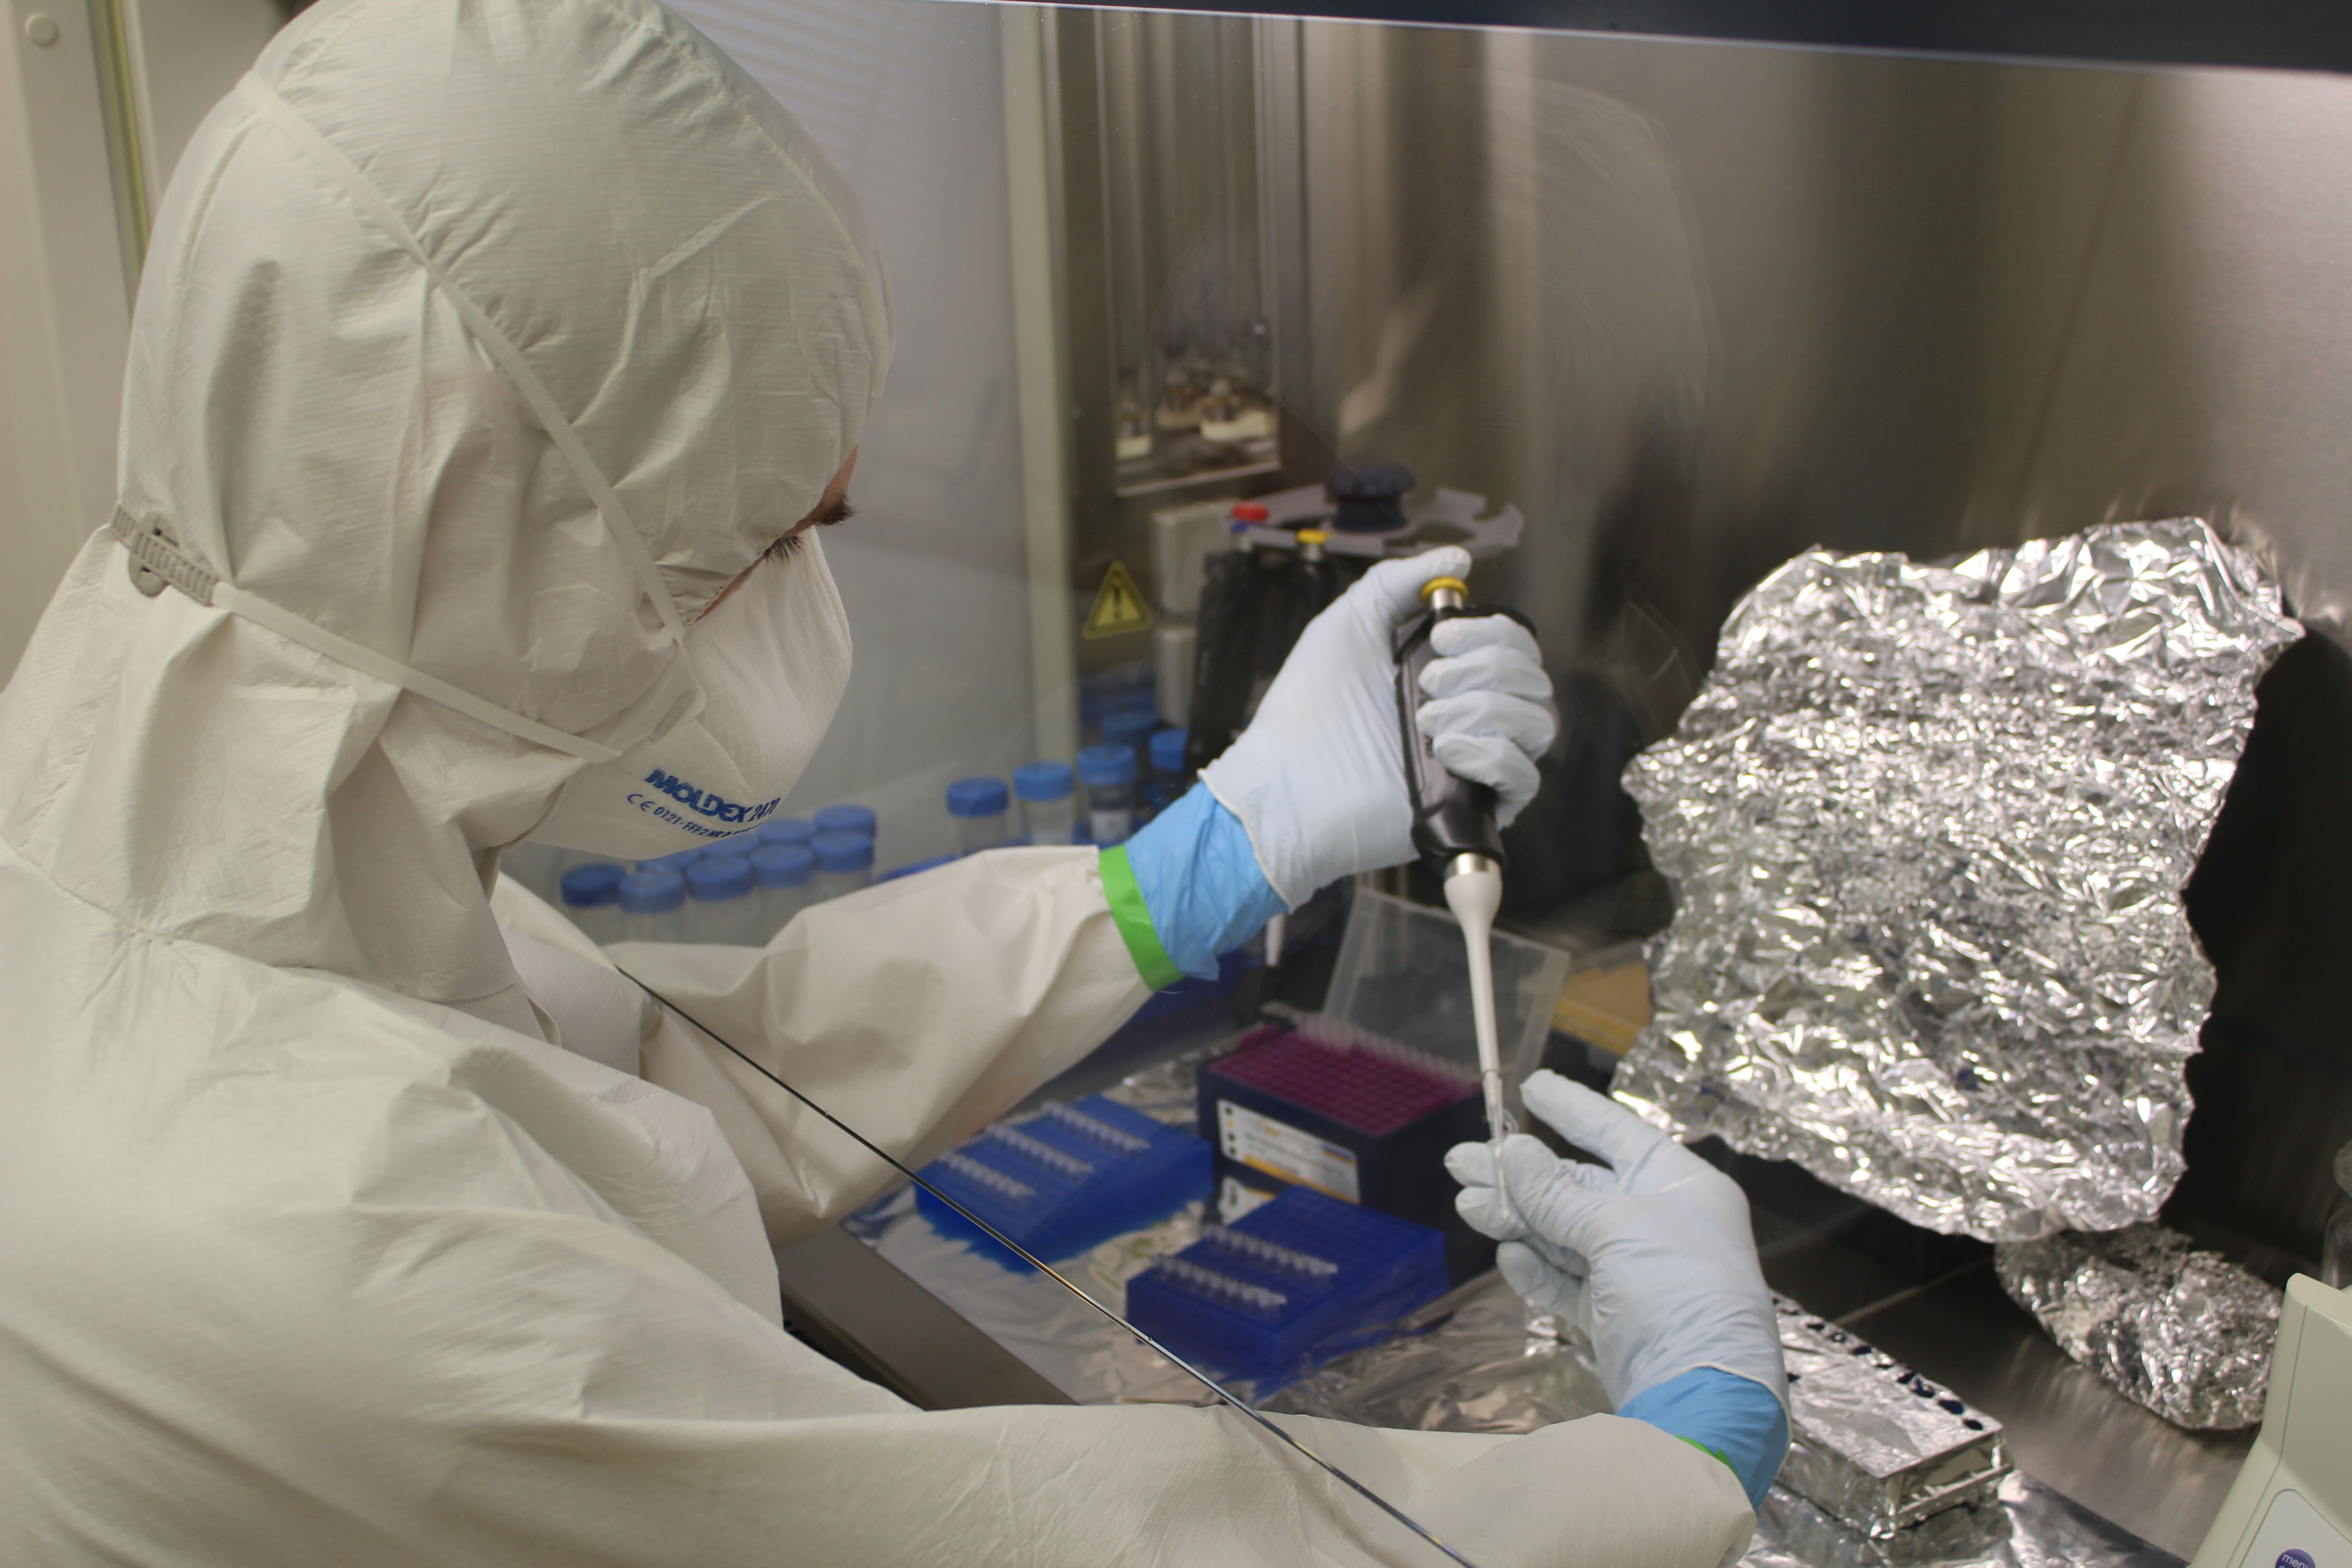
[1118, 605]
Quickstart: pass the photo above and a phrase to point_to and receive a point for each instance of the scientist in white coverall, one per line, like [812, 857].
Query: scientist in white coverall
[354, 1209]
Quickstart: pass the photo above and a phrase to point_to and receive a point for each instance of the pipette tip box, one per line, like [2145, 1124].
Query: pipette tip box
[1067, 1179]
[1288, 1286]
[1325, 1105]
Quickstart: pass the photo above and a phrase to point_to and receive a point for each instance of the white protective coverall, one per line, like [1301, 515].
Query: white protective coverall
[317, 1246]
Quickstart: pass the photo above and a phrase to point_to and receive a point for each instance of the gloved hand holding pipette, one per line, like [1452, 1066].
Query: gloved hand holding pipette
[1650, 1255]
[1314, 789]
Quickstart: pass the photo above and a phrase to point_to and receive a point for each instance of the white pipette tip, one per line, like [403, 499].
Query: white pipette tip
[1474, 892]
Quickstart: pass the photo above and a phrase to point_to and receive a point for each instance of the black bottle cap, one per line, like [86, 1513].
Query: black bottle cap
[1370, 497]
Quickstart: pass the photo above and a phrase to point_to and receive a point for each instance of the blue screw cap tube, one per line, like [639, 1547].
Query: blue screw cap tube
[1049, 802]
[846, 817]
[1129, 727]
[650, 898]
[1109, 773]
[787, 830]
[978, 806]
[592, 896]
[783, 872]
[845, 863]
[723, 909]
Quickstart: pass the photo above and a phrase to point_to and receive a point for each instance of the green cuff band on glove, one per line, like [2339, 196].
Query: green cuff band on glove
[1134, 920]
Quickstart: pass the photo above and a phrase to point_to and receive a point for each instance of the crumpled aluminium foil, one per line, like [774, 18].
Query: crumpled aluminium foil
[1928, 827]
[2183, 1330]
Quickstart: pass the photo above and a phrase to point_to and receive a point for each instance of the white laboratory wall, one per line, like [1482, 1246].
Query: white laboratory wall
[906, 98]
[64, 307]
[187, 54]
[65, 287]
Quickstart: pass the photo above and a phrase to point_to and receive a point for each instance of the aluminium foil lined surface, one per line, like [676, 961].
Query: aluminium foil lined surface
[1928, 826]
[1874, 1444]
[2182, 1329]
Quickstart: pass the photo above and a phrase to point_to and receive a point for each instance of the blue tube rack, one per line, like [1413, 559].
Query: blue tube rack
[1069, 1179]
[1289, 1286]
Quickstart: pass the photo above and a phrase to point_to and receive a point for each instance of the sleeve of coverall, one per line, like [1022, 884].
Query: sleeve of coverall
[917, 1011]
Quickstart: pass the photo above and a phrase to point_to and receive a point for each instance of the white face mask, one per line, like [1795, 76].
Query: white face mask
[771, 663]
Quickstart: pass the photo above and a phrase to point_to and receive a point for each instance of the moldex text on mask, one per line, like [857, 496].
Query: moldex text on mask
[704, 802]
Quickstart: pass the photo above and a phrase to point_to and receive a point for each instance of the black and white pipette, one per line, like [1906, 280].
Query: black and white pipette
[1455, 827]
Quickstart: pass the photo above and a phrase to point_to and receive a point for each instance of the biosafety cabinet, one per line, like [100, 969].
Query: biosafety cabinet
[1639, 319]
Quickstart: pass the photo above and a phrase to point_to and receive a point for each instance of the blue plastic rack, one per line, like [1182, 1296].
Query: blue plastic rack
[1289, 1286]
[1066, 1180]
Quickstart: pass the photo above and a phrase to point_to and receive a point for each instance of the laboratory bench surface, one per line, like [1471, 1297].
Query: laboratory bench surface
[1946, 1316]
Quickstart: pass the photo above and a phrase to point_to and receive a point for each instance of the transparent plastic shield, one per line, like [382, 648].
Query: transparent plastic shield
[1401, 974]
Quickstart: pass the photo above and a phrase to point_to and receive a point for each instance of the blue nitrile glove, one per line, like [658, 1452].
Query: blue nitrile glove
[1199, 883]
[1650, 1254]
[1318, 779]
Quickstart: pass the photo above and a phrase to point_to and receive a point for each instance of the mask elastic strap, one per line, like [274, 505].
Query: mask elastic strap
[494, 342]
[156, 560]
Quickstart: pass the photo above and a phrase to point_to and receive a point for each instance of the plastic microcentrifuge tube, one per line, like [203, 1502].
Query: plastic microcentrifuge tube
[845, 817]
[1049, 802]
[592, 896]
[786, 830]
[1109, 773]
[723, 909]
[650, 898]
[782, 872]
[978, 808]
[1168, 779]
[845, 863]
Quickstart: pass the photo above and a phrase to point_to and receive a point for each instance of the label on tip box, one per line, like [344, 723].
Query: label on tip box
[1281, 1149]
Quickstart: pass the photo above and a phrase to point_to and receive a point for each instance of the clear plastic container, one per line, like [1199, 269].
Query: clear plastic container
[782, 872]
[978, 806]
[845, 863]
[651, 898]
[1049, 802]
[2335, 1243]
[1168, 779]
[797, 830]
[676, 861]
[592, 897]
[846, 817]
[1109, 773]
[723, 909]
[1401, 974]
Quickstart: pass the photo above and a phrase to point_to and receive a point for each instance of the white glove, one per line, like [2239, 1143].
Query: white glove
[1651, 1254]
[1318, 779]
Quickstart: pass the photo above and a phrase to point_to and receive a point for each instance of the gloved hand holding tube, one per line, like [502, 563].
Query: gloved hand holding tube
[1652, 1255]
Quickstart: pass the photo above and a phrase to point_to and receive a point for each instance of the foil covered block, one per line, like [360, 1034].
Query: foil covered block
[1874, 1444]
[1928, 826]
[2183, 1330]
